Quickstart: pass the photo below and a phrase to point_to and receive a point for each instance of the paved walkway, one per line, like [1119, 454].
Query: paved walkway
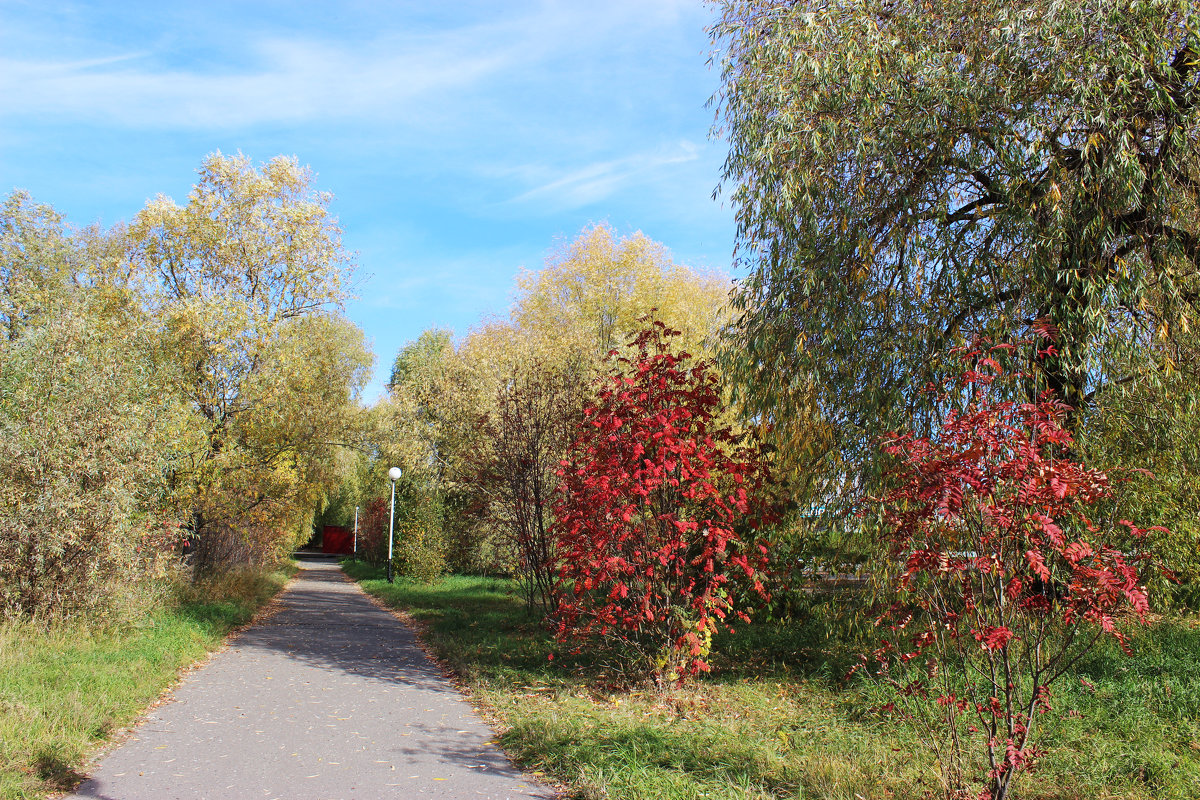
[328, 698]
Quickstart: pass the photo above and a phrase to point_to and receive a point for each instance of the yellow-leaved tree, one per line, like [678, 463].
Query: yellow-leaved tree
[592, 294]
[249, 279]
[89, 422]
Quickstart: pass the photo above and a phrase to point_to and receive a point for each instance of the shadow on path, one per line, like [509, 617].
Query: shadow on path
[329, 697]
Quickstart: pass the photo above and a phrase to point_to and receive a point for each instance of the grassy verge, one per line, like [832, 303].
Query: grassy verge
[64, 690]
[774, 720]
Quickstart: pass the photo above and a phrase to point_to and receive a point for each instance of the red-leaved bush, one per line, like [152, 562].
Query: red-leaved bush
[1005, 579]
[656, 514]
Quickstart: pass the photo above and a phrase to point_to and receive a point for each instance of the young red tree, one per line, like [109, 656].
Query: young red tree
[1006, 580]
[656, 514]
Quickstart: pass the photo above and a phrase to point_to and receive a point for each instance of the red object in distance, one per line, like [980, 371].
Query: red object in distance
[336, 539]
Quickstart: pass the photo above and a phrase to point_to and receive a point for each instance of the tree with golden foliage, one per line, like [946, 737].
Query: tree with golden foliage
[592, 294]
[249, 278]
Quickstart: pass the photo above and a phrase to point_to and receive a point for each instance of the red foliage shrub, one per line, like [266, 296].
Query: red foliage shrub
[373, 531]
[1006, 579]
[656, 514]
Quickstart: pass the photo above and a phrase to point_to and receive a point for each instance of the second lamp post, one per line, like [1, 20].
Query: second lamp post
[394, 474]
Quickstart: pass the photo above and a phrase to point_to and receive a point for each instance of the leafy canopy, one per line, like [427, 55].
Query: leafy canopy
[593, 293]
[483, 421]
[248, 278]
[910, 175]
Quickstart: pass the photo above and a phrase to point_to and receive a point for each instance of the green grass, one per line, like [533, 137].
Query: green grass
[64, 690]
[775, 719]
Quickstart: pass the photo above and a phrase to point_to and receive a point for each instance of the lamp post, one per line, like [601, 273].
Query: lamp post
[356, 531]
[394, 474]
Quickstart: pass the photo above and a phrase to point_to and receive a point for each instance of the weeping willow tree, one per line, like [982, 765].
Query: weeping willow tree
[910, 175]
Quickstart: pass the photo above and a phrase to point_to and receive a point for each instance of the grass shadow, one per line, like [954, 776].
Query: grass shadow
[57, 769]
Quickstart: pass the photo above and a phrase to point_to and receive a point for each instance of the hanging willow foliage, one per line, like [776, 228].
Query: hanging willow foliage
[909, 175]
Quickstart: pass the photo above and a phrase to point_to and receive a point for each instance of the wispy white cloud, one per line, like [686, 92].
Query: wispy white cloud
[294, 81]
[595, 182]
[394, 75]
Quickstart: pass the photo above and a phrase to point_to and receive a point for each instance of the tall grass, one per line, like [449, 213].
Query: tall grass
[66, 688]
[777, 717]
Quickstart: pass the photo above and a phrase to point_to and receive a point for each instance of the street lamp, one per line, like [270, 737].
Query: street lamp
[394, 474]
[356, 531]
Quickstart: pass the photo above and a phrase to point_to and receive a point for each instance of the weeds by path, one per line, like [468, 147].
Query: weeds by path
[66, 689]
[775, 720]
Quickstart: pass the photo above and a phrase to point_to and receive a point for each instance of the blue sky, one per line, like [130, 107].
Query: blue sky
[461, 142]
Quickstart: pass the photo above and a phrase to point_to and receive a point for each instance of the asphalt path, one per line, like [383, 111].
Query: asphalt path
[328, 698]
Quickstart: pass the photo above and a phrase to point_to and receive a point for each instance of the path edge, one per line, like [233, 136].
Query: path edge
[483, 709]
[121, 735]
